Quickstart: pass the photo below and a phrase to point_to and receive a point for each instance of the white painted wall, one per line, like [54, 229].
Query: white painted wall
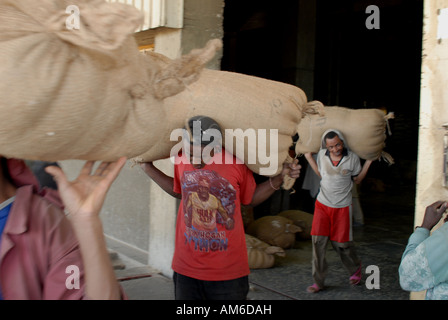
[433, 113]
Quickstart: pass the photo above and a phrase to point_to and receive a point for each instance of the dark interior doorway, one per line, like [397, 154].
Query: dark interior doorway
[348, 65]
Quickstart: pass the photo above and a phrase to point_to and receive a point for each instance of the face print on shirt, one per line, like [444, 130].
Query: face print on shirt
[209, 205]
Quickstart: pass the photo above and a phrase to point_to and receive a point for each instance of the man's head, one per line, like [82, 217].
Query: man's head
[333, 143]
[203, 130]
[204, 135]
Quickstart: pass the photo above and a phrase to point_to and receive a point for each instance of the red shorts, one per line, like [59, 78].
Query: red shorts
[331, 222]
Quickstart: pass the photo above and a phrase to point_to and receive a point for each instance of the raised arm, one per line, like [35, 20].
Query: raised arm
[363, 172]
[313, 164]
[164, 181]
[423, 264]
[83, 199]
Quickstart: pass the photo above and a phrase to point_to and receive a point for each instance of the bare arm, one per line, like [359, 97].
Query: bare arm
[264, 190]
[313, 164]
[363, 172]
[164, 181]
[83, 198]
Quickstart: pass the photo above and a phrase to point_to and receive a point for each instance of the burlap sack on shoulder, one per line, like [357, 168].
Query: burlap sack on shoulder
[250, 110]
[84, 93]
[363, 129]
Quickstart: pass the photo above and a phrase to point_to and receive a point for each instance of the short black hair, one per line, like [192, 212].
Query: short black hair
[331, 135]
[206, 123]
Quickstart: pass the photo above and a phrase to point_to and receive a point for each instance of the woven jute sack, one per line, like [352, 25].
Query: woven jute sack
[260, 254]
[247, 108]
[363, 129]
[84, 93]
[302, 219]
[274, 230]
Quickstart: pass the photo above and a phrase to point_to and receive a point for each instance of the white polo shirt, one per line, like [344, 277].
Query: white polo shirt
[336, 183]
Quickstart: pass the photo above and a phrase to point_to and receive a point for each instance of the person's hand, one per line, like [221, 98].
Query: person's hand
[292, 169]
[290, 172]
[84, 197]
[433, 214]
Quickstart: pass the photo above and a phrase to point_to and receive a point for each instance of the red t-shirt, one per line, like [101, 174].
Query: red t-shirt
[210, 241]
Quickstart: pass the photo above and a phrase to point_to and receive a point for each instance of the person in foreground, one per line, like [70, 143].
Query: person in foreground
[46, 254]
[424, 264]
[210, 259]
[338, 168]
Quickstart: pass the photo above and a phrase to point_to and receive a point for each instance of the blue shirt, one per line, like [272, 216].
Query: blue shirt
[424, 265]
[4, 212]
[5, 207]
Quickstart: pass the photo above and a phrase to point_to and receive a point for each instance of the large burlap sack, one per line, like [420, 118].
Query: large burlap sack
[363, 129]
[274, 230]
[82, 94]
[302, 219]
[247, 108]
[260, 254]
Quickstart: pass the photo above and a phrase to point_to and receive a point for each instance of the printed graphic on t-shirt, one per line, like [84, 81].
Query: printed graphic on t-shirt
[209, 207]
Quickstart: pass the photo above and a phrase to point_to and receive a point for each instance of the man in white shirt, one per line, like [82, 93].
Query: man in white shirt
[337, 167]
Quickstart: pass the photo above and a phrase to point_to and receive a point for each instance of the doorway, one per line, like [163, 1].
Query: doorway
[347, 64]
[327, 50]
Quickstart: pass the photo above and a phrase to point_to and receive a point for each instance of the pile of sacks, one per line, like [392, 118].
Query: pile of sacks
[269, 236]
[262, 255]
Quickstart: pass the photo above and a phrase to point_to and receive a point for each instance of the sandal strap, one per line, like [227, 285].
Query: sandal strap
[313, 288]
[356, 277]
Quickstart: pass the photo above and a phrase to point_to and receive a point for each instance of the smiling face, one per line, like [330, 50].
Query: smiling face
[335, 146]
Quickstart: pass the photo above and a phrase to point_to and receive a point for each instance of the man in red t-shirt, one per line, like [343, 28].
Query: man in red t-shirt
[210, 258]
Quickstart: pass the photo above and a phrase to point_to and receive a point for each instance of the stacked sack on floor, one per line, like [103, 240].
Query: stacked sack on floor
[269, 236]
[262, 255]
